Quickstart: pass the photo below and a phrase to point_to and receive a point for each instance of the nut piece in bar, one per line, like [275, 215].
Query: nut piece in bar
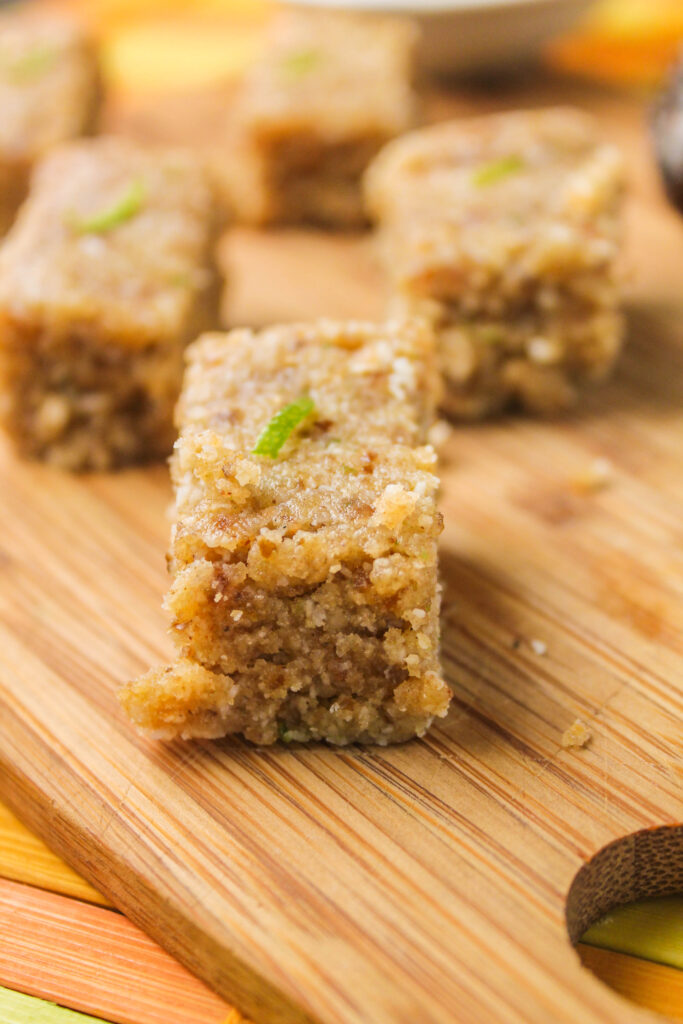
[305, 599]
[505, 230]
[328, 92]
[105, 276]
[49, 93]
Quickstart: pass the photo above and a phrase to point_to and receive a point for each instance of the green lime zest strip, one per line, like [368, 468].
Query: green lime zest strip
[122, 210]
[301, 62]
[490, 174]
[490, 334]
[276, 432]
[283, 733]
[33, 64]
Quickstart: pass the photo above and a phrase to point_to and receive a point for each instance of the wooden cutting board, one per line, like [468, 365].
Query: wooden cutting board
[421, 884]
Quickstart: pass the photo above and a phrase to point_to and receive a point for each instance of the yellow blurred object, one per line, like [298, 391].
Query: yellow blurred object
[160, 46]
[25, 858]
[623, 41]
[176, 53]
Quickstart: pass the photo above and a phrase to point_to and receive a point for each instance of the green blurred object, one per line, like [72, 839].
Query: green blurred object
[650, 929]
[16, 1008]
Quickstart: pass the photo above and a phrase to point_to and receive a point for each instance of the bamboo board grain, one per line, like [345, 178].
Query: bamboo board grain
[425, 882]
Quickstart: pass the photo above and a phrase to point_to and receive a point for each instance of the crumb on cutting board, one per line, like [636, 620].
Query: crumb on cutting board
[440, 433]
[595, 477]
[577, 735]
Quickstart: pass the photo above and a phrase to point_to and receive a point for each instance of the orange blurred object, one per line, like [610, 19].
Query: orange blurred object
[648, 984]
[629, 42]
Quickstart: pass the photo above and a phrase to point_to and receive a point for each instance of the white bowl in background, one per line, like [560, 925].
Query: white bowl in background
[469, 36]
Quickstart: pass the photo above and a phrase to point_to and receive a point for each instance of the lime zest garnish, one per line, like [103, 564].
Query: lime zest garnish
[283, 423]
[490, 334]
[496, 170]
[179, 279]
[122, 210]
[32, 64]
[301, 62]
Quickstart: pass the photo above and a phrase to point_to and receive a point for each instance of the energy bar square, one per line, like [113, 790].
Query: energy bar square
[304, 597]
[105, 277]
[49, 93]
[507, 229]
[328, 92]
